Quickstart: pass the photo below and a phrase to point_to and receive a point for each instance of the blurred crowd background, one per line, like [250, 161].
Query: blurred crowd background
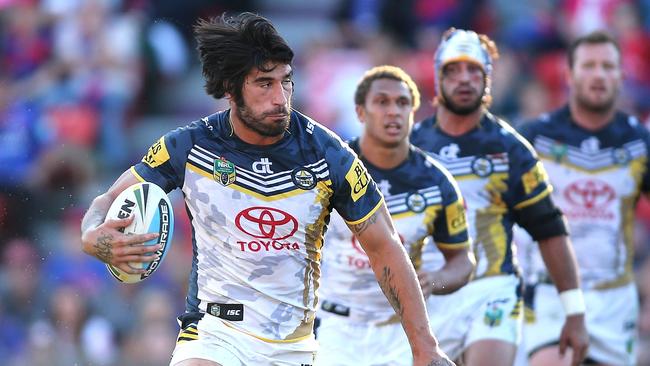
[87, 85]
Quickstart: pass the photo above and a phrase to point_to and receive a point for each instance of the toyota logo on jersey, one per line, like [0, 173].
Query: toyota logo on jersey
[359, 259]
[589, 193]
[266, 223]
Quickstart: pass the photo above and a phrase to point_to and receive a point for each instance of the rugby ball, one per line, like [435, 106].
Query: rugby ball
[153, 214]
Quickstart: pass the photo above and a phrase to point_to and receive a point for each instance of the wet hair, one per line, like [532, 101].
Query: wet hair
[595, 37]
[231, 46]
[386, 72]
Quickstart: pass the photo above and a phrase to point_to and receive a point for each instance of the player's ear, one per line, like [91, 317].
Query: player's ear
[568, 75]
[361, 113]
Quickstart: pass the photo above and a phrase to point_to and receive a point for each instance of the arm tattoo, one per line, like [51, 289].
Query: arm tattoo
[92, 218]
[357, 229]
[103, 247]
[387, 285]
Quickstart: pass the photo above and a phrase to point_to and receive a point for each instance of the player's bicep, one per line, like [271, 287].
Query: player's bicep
[165, 160]
[455, 252]
[375, 231]
[127, 179]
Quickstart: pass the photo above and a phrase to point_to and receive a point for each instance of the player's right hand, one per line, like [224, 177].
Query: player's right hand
[111, 246]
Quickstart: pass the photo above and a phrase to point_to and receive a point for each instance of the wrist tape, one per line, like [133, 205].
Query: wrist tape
[573, 301]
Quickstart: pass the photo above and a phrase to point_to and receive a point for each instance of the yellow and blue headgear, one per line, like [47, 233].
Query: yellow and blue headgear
[464, 45]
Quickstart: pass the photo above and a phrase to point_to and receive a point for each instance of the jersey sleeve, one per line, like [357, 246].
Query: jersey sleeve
[164, 162]
[528, 179]
[450, 225]
[356, 196]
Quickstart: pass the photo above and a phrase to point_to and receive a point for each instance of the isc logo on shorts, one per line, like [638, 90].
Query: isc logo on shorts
[232, 312]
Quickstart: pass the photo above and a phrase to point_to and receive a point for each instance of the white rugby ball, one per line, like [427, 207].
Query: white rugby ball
[153, 214]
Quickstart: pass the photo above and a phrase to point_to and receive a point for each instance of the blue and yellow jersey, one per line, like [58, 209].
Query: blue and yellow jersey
[424, 202]
[598, 177]
[497, 172]
[258, 216]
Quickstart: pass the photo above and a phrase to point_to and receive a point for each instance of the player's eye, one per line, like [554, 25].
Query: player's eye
[403, 102]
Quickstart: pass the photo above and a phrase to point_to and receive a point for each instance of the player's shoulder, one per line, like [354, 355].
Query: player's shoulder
[545, 122]
[495, 125]
[423, 126]
[432, 170]
[312, 130]
[314, 135]
[194, 131]
[421, 159]
[632, 124]
[512, 141]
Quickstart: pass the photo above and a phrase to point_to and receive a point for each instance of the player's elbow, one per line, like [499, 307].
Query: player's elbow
[467, 266]
[462, 268]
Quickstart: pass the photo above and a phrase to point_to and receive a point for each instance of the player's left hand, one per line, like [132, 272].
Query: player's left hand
[426, 282]
[574, 335]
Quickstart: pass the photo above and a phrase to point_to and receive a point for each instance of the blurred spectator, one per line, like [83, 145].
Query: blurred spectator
[70, 334]
[359, 18]
[21, 284]
[22, 296]
[99, 53]
[153, 337]
[81, 81]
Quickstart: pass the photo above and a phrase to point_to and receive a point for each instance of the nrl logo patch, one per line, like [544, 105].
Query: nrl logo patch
[224, 171]
[482, 166]
[621, 156]
[304, 178]
[416, 202]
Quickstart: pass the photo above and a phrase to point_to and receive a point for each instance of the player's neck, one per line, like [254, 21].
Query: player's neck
[455, 124]
[588, 119]
[248, 135]
[383, 157]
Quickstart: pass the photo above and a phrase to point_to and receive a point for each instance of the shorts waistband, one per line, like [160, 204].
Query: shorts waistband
[356, 315]
[334, 308]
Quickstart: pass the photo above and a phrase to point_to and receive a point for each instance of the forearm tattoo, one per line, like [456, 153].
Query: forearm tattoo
[388, 286]
[357, 229]
[103, 247]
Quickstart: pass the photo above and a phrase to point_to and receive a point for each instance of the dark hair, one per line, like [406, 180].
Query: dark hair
[595, 37]
[230, 47]
[385, 72]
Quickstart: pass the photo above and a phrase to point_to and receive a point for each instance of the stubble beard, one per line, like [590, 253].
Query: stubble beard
[596, 107]
[461, 110]
[256, 122]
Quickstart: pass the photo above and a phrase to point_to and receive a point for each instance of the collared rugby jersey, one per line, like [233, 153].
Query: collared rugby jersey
[497, 172]
[423, 201]
[597, 177]
[258, 216]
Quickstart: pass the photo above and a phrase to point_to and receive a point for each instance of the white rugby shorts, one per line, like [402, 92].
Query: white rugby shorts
[210, 338]
[611, 317]
[487, 308]
[344, 342]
